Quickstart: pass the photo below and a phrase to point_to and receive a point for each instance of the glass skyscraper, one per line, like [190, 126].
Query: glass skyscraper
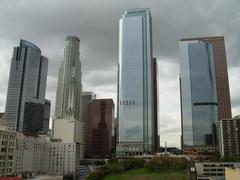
[135, 84]
[199, 103]
[26, 108]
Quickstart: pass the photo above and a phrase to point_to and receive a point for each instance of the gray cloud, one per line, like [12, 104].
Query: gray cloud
[47, 23]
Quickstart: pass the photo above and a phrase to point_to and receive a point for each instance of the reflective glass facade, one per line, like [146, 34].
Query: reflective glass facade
[199, 103]
[135, 91]
[26, 89]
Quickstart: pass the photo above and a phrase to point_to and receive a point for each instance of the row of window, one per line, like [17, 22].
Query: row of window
[127, 102]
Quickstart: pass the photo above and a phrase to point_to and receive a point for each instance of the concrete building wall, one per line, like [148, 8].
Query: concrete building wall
[232, 173]
[31, 154]
[63, 158]
[7, 150]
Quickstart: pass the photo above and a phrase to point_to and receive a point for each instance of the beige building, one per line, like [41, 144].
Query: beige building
[1, 119]
[31, 154]
[63, 158]
[232, 173]
[7, 150]
[229, 136]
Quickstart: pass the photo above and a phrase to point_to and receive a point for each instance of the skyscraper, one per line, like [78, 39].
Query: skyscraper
[204, 89]
[155, 107]
[221, 74]
[135, 86]
[87, 97]
[69, 89]
[69, 95]
[25, 105]
[99, 128]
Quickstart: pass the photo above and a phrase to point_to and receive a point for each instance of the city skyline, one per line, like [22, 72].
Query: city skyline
[95, 63]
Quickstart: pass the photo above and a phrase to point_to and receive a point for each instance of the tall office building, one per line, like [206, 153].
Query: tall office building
[69, 89]
[155, 107]
[99, 128]
[87, 97]
[204, 89]
[135, 84]
[221, 74]
[25, 105]
[69, 95]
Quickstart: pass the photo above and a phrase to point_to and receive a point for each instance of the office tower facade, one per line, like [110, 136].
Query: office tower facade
[221, 74]
[155, 107]
[229, 136]
[204, 89]
[99, 128]
[69, 89]
[135, 87]
[69, 95]
[87, 97]
[47, 109]
[7, 152]
[26, 89]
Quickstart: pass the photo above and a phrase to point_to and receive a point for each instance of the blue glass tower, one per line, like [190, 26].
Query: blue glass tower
[199, 105]
[27, 110]
[135, 84]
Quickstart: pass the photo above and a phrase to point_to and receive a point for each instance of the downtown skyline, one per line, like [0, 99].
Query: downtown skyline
[99, 61]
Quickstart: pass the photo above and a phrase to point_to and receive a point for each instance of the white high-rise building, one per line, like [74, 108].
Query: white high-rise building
[67, 123]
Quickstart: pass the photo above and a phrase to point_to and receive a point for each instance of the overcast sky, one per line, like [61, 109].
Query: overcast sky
[46, 23]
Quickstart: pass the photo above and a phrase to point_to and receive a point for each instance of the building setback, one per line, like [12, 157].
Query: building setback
[229, 136]
[99, 128]
[135, 84]
[25, 103]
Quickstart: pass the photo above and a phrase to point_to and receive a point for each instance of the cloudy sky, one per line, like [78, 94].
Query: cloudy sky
[46, 23]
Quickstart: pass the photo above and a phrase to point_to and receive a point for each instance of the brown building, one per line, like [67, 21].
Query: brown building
[99, 128]
[221, 71]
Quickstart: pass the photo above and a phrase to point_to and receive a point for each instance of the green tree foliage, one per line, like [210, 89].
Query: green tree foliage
[98, 174]
[165, 163]
[134, 163]
[116, 168]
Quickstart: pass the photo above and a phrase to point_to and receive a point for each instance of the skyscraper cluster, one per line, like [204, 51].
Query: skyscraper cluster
[82, 124]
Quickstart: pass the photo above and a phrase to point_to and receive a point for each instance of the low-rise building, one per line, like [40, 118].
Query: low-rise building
[7, 150]
[31, 154]
[213, 170]
[229, 136]
[63, 158]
